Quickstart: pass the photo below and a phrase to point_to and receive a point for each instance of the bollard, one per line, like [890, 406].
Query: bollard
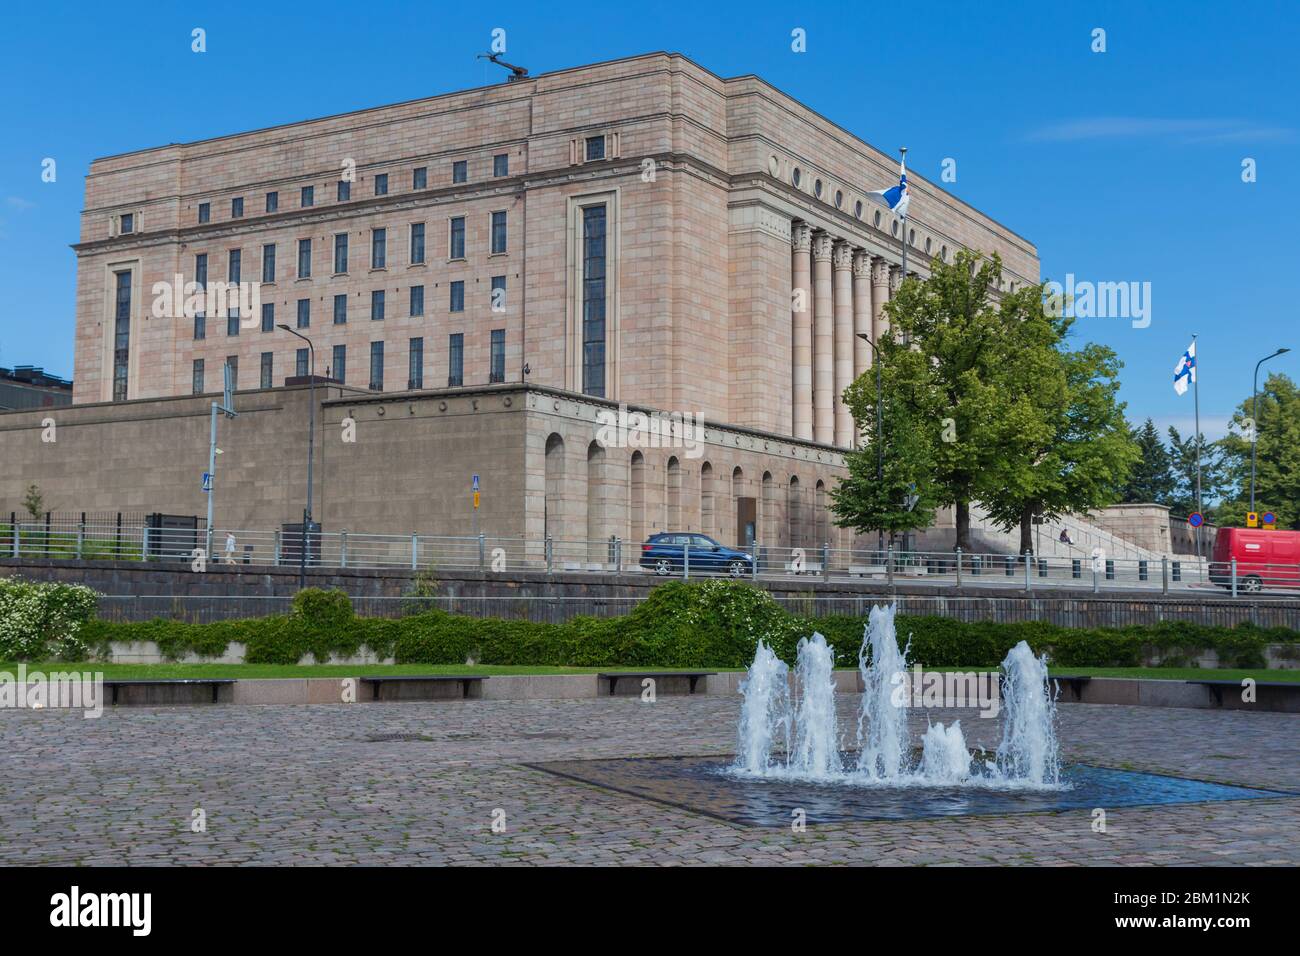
[415, 551]
[976, 564]
[686, 561]
[144, 542]
[889, 565]
[959, 567]
[1234, 577]
[753, 565]
[277, 547]
[1009, 566]
[618, 554]
[1029, 576]
[343, 548]
[482, 550]
[1164, 574]
[826, 561]
[1096, 586]
[550, 554]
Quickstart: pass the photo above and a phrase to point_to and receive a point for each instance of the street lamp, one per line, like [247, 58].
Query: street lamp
[1254, 420]
[305, 542]
[880, 448]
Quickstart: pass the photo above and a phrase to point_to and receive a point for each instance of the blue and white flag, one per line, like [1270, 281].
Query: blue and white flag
[1185, 370]
[896, 197]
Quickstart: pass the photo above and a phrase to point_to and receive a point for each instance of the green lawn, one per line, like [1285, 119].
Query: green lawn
[255, 671]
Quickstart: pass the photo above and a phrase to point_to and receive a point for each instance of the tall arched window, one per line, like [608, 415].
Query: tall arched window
[674, 496]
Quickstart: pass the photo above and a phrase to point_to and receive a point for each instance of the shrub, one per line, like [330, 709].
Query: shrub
[44, 621]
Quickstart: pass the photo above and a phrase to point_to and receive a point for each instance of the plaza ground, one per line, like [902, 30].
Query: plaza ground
[418, 783]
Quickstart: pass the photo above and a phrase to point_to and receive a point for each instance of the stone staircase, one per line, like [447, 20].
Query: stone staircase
[987, 537]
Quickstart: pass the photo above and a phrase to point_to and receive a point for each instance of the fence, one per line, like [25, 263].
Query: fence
[684, 556]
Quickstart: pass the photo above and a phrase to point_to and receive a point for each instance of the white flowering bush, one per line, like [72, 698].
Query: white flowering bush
[44, 621]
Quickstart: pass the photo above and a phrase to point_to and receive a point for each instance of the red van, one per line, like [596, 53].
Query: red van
[1265, 559]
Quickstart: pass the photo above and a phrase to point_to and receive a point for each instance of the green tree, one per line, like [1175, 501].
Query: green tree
[1276, 418]
[1076, 456]
[1214, 480]
[1151, 478]
[34, 502]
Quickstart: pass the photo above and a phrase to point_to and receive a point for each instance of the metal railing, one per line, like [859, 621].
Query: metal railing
[503, 554]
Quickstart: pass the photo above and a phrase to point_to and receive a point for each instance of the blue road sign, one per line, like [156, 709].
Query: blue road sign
[1196, 519]
[475, 488]
[1269, 517]
[207, 481]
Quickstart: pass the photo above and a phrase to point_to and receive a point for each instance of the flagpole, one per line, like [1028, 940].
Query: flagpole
[1196, 405]
[903, 163]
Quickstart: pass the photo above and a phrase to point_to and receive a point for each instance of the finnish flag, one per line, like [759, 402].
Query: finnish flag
[896, 197]
[1185, 370]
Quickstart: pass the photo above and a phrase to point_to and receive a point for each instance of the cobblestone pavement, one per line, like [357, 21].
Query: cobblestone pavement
[418, 783]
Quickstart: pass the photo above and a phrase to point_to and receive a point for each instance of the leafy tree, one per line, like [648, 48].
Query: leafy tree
[1151, 479]
[1214, 479]
[1277, 468]
[34, 502]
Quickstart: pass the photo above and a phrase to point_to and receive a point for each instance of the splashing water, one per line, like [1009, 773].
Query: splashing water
[883, 743]
[945, 758]
[1029, 749]
[808, 731]
[765, 715]
[816, 750]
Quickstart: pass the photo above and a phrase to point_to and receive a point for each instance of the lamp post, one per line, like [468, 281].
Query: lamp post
[305, 543]
[1254, 420]
[880, 448]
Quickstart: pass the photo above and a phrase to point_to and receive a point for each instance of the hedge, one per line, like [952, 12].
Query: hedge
[707, 624]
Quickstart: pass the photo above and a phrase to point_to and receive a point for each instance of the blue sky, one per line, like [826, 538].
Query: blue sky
[1121, 166]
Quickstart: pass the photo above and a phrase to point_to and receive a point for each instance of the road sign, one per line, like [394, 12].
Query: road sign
[207, 482]
[1252, 519]
[1196, 519]
[475, 487]
[476, 499]
[1270, 518]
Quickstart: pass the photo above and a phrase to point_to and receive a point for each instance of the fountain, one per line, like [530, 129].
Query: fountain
[806, 721]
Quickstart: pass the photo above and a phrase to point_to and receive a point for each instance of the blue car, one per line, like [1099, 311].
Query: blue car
[665, 553]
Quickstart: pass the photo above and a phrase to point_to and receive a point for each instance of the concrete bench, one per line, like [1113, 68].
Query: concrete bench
[867, 570]
[809, 567]
[666, 682]
[1270, 695]
[1073, 681]
[426, 687]
[181, 690]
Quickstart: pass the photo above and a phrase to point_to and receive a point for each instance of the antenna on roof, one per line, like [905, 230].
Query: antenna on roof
[516, 72]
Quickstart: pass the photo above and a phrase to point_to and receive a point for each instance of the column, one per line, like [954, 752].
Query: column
[862, 354]
[879, 296]
[801, 322]
[823, 341]
[843, 366]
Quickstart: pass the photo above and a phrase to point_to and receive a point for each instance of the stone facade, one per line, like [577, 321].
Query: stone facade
[659, 236]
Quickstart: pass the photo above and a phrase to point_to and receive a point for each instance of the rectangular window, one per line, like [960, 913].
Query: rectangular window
[205, 211]
[593, 300]
[456, 360]
[377, 304]
[415, 378]
[268, 370]
[456, 243]
[339, 366]
[272, 201]
[196, 377]
[417, 243]
[377, 366]
[300, 363]
[420, 177]
[307, 197]
[236, 268]
[304, 313]
[498, 233]
[457, 303]
[304, 258]
[268, 262]
[237, 208]
[381, 184]
[121, 334]
[498, 301]
[201, 271]
[127, 223]
[232, 321]
[501, 164]
[232, 363]
[497, 363]
[340, 310]
[200, 326]
[595, 147]
[378, 248]
[268, 316]
[340, 253]
[460, 171]
[417, 300]
[345, 190]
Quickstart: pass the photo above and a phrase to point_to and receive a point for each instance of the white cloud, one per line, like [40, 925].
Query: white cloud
[1213, 427]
